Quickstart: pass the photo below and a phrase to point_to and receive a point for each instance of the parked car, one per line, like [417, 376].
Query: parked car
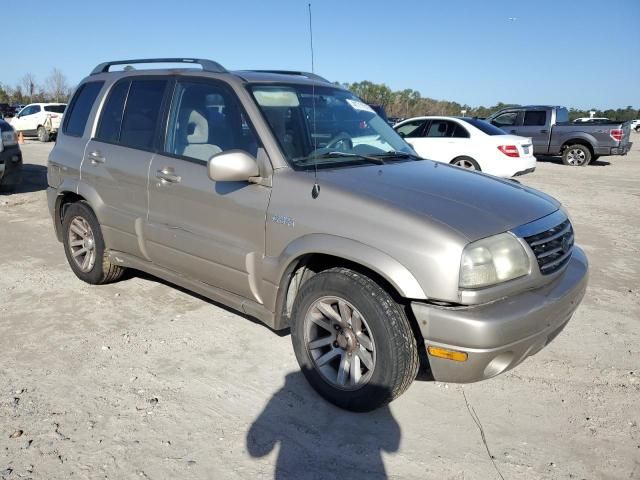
[10, 158]
[39, 119]
[6, 110]
[635, 125]
[553, 134]
[370, 254]
[469, 143]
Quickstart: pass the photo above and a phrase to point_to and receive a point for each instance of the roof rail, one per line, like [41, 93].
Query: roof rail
[309, 75]
[207, 65]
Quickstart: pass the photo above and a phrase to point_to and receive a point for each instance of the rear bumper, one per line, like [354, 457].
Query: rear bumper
[10, 166]
[512, 167]
[620, 150]
[498, 336]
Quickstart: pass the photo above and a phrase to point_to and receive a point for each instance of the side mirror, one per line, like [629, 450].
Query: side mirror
[232, 166]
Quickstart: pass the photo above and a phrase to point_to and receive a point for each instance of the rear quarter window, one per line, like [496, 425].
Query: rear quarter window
[59, 108]
[76, 118]
[484, 127]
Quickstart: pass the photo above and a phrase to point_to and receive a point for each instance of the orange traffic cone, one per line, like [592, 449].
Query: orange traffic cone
[20, 138]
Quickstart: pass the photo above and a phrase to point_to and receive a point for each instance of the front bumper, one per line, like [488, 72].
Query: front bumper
[499, 335]
[10, 166]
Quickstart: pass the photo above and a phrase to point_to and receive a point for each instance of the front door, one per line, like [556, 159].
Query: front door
[443, 141]
[535, 126]
[27, 121]
[210, 231]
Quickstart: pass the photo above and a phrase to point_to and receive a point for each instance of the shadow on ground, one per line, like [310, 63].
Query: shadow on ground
[558, 160]
[34, 179]
[316, 440]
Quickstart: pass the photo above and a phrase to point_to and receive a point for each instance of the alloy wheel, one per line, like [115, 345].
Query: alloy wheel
[82, 244]
[576, 157]
[340, 343]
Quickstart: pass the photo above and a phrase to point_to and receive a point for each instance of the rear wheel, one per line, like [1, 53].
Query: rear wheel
[576, 155]
[84, 246]
[353, 342]
[466, 162]
[43, 134]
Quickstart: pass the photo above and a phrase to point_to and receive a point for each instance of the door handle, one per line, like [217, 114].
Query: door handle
[96, 158]
[544, 131]
[512, 131]
[167, 175]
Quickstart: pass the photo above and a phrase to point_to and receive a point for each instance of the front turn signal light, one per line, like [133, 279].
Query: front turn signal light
[447, 354]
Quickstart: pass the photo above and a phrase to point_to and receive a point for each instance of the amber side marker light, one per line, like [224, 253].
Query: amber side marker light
[447, 354]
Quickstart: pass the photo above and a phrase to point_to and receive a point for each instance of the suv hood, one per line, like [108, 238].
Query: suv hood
[474, 204]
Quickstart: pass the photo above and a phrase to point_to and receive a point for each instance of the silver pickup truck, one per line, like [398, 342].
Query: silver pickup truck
[289, 199]
[552, 133]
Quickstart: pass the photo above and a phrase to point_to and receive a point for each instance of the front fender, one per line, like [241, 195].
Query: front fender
[381, 263]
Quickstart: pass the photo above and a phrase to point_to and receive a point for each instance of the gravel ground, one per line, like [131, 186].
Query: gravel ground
[140, 379]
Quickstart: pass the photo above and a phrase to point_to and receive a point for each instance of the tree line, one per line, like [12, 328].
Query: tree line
[401, 103]
[54, 88]
[410, 103]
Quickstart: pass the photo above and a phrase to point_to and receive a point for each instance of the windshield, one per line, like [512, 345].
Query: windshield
[325, 127]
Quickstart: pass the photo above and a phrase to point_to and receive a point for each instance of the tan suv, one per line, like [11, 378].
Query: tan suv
[287, 198]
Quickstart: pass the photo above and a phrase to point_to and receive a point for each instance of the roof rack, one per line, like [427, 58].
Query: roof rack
[309, 75]
[207, 65]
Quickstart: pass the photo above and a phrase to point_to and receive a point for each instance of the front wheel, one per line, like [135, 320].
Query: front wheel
[43, 134]
[466, 162]
[353, 342]
[576, 155]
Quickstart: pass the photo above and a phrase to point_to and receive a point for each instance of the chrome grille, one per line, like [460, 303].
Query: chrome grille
[552, 247]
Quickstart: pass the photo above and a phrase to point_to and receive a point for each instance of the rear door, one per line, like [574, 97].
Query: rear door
[117, 159]
[209, 231]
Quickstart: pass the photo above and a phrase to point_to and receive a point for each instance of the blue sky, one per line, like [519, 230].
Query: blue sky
[575, 53]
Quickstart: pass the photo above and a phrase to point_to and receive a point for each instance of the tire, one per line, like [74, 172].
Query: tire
[43, 134]
[91, 267]
[466, 162]
[576, 156]
[382, 340]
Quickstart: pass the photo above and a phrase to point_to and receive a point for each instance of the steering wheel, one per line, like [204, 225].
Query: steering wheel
[341, 142]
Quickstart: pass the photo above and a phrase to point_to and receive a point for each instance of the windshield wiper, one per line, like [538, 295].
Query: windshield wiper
[377, 160]
[390, 155]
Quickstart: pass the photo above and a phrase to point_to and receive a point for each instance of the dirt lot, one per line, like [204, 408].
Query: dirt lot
[140, 379]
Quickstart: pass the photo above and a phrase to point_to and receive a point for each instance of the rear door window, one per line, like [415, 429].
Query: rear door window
[535, 118]
[111, 119]
[79, 108]
[142, 112]
[130, 116]
[441, 128]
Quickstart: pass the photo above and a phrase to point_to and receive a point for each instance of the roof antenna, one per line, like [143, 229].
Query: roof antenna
[315, 191]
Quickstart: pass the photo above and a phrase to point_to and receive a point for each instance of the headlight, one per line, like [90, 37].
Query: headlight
[493, 260]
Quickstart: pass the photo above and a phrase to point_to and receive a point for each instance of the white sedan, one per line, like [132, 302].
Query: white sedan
[469, 143]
